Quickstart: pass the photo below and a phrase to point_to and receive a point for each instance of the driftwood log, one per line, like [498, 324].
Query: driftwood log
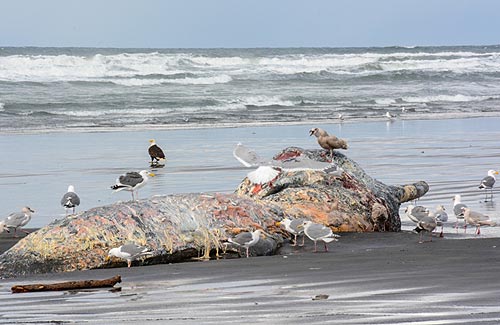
[177, 228]
[71, 285]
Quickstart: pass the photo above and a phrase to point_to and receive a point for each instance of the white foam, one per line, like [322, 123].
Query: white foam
[445, 98]
[129, 67]
[2, 107]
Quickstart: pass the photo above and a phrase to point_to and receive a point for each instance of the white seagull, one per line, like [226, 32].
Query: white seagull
[16, 220]
[476, 219]
[426, 224]
[246, 239]
[132, 181]
[292, 226]
[70, 199]
[129, 252]
[441, 217]
[267, 171]
[316, 232]
[457, 208]
[416, 213]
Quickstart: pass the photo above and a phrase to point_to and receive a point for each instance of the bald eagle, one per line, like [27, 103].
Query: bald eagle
[155, 153]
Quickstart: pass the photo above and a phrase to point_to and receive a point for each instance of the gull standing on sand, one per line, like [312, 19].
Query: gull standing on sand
[157, 155]
[476, 219]
[132, 181]
[416, 213]
[129, 252]
[246, 240]
[16, 220]
[458, 208]
[292, 226]
[70, 200]
[328, 142]
[316, 232]
[441, 217]
[426, 224]
[487, 184]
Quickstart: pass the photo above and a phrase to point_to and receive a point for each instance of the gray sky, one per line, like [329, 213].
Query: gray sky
[251, 23]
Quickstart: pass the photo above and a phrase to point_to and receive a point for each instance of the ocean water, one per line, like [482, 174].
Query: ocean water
[44, 89]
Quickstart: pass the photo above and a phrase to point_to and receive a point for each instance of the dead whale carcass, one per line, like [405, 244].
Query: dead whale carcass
[179, 227]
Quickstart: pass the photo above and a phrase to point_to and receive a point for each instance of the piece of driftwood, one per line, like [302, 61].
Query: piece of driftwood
[71, 285]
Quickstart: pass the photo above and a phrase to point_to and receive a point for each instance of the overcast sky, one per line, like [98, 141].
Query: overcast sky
[251, 23]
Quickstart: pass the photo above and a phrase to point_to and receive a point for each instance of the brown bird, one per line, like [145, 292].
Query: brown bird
[328, 142]
[476, 219]
[155, 153]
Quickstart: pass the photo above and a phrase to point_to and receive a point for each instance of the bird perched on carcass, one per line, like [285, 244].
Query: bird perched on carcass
[16, 220]
[328, 142]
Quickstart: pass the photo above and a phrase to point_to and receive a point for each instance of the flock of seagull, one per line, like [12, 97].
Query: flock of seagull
[425, 220]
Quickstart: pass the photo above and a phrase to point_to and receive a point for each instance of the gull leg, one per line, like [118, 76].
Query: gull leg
[315, 247]
[420, 238]
[294, 240]
[441, 234]
[247, 252]
[478, 230]
[326, 247]
[303, 239]
[129, 263]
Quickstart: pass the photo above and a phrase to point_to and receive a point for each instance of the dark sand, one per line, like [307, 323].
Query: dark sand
[370, 278]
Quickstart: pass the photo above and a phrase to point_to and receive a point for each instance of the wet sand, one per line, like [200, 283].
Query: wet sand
[371, 278]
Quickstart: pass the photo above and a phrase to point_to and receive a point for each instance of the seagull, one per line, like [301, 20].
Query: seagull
[340, 117]
[476, 219]
[246, 239]
[316, 232]
[129, 252]
[416, 213]
[428, 224]
[487, 184]
[441, 217]
[131, 181]
[457, 208]
[70, 200]
[328, 142]
[292, 226]
[389, 116]
[17, 220]
[3, 227]
[155, 153]
[267, 171]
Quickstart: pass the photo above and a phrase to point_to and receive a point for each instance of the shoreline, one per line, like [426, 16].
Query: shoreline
[205, 126]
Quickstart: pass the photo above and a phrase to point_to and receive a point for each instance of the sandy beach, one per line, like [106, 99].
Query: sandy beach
[373, 278]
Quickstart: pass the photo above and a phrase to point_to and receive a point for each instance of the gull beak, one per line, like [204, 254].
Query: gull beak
[152, 140]
[107, 258]
[496, 173]
[151, 174]
[278, 223]
[311, 131]
[31, 210]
